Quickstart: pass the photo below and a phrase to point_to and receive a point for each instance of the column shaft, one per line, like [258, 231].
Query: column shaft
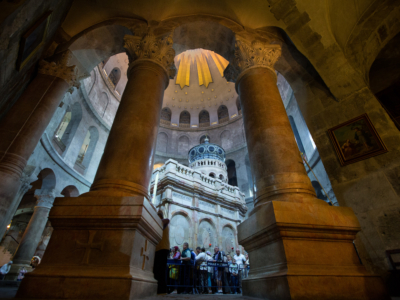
[275, 160]
[127, 161]
[24, 124]
[32, 235]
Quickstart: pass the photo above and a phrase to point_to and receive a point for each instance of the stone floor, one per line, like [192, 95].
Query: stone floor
[9, 293]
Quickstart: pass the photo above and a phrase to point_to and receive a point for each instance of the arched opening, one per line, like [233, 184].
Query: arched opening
[239, 106]
[204, 119]
[223, 114]
[184, 119]
[114, 76]
[70, 191]
[183, 145]
[203, 137]
[103, 104]
[221, 177]
[87, 149]
[66, 130]
[384, 78]
[162, 142]
[165, 116]
[211, 175]
[231, 170]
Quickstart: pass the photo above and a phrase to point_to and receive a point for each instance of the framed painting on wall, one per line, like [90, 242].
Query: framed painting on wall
[356, 140]
[33, 40]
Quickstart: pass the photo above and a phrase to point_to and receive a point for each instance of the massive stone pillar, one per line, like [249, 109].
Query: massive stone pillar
[24, 124]
[302, 246]
[33, 232]
[105, 239]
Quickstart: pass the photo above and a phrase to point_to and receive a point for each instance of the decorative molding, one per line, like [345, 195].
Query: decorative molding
[59, 68]
[150, 47]
[252, 55]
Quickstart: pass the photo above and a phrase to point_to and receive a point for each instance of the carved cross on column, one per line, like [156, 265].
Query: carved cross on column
[145, 253]
[89, 246]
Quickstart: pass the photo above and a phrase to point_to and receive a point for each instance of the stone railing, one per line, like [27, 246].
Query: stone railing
[208, 162]
[184, 125]
[223, 120]
[165, 122]
[204, 124]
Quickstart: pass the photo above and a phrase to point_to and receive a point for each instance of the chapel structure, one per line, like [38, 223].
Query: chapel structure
[203, 209]
[105, 107]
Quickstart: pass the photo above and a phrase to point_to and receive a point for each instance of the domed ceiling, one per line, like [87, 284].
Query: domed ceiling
[198, 85]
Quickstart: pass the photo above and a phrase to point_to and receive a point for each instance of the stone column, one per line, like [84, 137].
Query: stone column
[300, 243]
[108, 236]
[33, 232]
[24, 124]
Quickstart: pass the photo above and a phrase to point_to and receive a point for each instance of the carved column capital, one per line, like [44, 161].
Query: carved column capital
[45, 198]
[149, 47]
[59, 68]
[250, 55]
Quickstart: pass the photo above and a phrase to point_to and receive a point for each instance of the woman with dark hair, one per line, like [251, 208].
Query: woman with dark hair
[174, 270]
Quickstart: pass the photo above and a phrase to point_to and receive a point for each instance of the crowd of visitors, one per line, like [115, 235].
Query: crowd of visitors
[195, 274]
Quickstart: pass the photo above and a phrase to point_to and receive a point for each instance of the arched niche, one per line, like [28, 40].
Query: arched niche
[162, 142]
[223, 114]
[204, 119]
[166, 116]
[228, 238]
[231, 170]
[114, 76]
[65, 132]
[87, 149]
[184, 119]
[179, 229]
[104, 100]
[48, 178]
[203, 137]
[70, 191]
[183, 145]
[207, 234]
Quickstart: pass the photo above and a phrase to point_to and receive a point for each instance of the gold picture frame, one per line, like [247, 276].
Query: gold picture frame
[356, 140]
[33, 40]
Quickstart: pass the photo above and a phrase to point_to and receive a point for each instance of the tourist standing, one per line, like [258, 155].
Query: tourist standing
[218, 271]
[174, 270]
[234, 270]
[161, 256]
[240, 260]
[201, 261]
[185, 274]
[209, 271]
[5, 269]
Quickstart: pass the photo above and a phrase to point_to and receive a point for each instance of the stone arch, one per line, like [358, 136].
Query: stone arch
[223, 114]
[226, 142]
[212, 175]
[180, 228]
[48, 178]
[115, 76]
[228, 237]
[87, 149]
[207, 234]
[93, 79]
[162, 142]
[184, 119]
[70, 191]
[68, 127]
[183, 145]
[231, 170]
[203, 137]
[204, 118]
[166, 116]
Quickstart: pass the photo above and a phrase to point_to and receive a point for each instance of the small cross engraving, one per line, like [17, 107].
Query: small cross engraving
[145, 253]
[89, 246]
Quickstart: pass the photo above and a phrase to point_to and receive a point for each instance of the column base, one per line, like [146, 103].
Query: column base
[101, 248]
[305, 251]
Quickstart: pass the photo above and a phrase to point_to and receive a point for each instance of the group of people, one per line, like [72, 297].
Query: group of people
[196, 275]
[196, 271]
[22, 271]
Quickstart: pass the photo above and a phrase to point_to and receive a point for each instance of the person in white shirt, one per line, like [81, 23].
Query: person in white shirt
[240, 260]
[210, 271]
[201, 260]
